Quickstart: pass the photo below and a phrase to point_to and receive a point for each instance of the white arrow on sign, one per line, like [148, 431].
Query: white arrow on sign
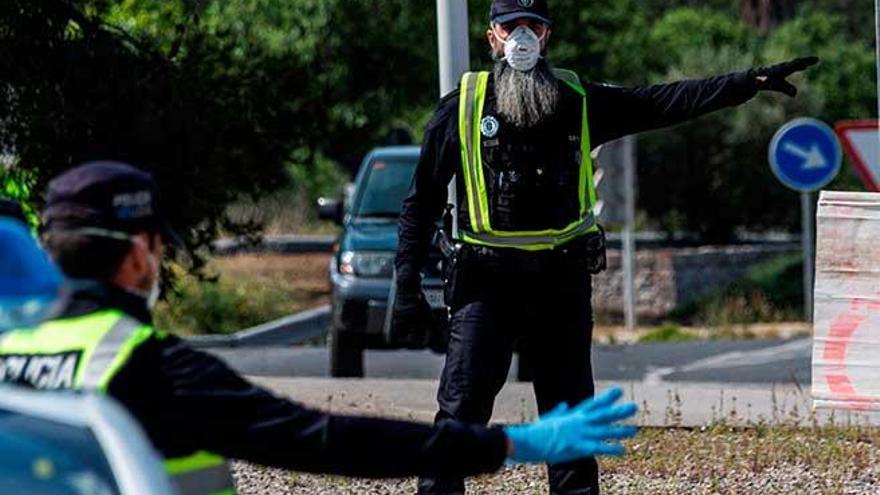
[812, 158]
[861, 140]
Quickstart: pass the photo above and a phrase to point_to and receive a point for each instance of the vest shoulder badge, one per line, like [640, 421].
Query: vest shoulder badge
[489, 126]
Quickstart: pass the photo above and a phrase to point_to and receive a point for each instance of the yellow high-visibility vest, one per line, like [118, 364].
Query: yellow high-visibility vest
[471, 100]
[86, 353]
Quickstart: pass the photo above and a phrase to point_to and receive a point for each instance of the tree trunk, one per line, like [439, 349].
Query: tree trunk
[766, 14]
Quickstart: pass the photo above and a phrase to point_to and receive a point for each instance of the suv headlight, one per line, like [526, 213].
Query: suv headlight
[378, 264]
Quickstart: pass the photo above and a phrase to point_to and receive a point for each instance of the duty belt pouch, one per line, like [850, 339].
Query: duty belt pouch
[452, 276]
[596, 255]
[464, 275]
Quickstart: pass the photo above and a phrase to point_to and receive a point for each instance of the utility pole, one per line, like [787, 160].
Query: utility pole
[454, 56]
[877, 49]
[453, 46]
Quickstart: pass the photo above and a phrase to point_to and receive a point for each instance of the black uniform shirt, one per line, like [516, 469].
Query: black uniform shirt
[188, 401]
[613, 112]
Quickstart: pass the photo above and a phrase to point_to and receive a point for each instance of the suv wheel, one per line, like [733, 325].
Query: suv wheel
[346, 354]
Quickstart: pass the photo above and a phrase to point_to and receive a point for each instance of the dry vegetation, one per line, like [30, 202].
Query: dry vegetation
[713, 460]
[255, 288]
[250, 290]
[302, 276]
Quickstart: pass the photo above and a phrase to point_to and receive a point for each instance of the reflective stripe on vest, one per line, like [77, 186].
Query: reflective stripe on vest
[471, 101]
[104, 341]
[100, 368]
[200, 473]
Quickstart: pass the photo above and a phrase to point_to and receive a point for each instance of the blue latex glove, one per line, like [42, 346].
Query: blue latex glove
[567, 434]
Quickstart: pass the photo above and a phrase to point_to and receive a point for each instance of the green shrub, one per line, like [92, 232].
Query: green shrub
[668, 332]
[207, 307]
[772, 291]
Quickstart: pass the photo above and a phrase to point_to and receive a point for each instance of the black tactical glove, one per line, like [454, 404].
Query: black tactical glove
[773, 78]
[412, 323]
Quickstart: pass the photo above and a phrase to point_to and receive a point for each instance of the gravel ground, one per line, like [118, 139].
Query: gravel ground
[786, 480]
[718, 460]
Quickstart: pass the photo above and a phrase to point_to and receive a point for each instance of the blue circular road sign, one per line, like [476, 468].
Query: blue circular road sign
[805, 154]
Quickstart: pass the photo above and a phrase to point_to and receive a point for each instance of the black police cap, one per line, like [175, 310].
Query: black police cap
[509, 10]
[106, 195]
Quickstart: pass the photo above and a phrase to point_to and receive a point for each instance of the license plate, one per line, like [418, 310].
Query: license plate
[435, 298]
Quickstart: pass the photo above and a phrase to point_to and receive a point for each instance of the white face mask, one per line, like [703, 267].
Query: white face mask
[522, 49]
[156, 288]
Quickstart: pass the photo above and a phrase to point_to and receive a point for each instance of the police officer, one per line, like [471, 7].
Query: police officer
[103, 225]
[524, 239]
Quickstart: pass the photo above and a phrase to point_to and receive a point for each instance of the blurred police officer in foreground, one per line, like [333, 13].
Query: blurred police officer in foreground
[104, 227]
[519, 261]
[30, 285]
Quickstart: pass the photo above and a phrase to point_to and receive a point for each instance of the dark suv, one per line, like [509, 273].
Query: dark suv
[362, 267]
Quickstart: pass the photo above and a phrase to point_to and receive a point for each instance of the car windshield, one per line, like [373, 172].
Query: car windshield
[383, 188]
[44, 457]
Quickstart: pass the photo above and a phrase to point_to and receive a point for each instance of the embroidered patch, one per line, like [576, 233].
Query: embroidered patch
[489, 126]
[526, 3]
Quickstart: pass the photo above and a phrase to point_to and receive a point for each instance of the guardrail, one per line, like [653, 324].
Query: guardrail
[290, 330]
[283, 244]
[299, 244]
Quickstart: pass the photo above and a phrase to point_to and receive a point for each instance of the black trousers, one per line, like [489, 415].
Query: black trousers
[542, 305]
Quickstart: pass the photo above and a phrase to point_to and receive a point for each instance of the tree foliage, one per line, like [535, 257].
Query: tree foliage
[210, 127]
[222, 99]
[714, 172]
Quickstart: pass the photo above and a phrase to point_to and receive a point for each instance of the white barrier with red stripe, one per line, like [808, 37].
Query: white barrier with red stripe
[846, 334]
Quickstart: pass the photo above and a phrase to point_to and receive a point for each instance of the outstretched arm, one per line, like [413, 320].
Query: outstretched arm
[617, 111]
[188, 401]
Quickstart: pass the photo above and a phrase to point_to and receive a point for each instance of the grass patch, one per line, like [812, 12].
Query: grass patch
[668, 332]
[772, 291]
[248, 290]
[760, 460]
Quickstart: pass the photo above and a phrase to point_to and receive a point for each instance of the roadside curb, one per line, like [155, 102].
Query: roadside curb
[290, 330]
[663, 405]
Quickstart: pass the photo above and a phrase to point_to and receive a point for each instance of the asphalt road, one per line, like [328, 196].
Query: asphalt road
[757, 361]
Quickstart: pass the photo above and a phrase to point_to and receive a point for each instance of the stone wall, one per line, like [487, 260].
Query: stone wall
[668, 277]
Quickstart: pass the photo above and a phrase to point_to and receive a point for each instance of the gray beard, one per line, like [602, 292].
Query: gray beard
[525, 99]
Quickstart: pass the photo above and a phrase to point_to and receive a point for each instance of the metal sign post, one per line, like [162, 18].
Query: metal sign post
[629, 248]
[615, 176]
[807, 235]
[805, 155]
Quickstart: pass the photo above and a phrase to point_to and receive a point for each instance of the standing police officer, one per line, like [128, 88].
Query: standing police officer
[103, 226]
[518, 141]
